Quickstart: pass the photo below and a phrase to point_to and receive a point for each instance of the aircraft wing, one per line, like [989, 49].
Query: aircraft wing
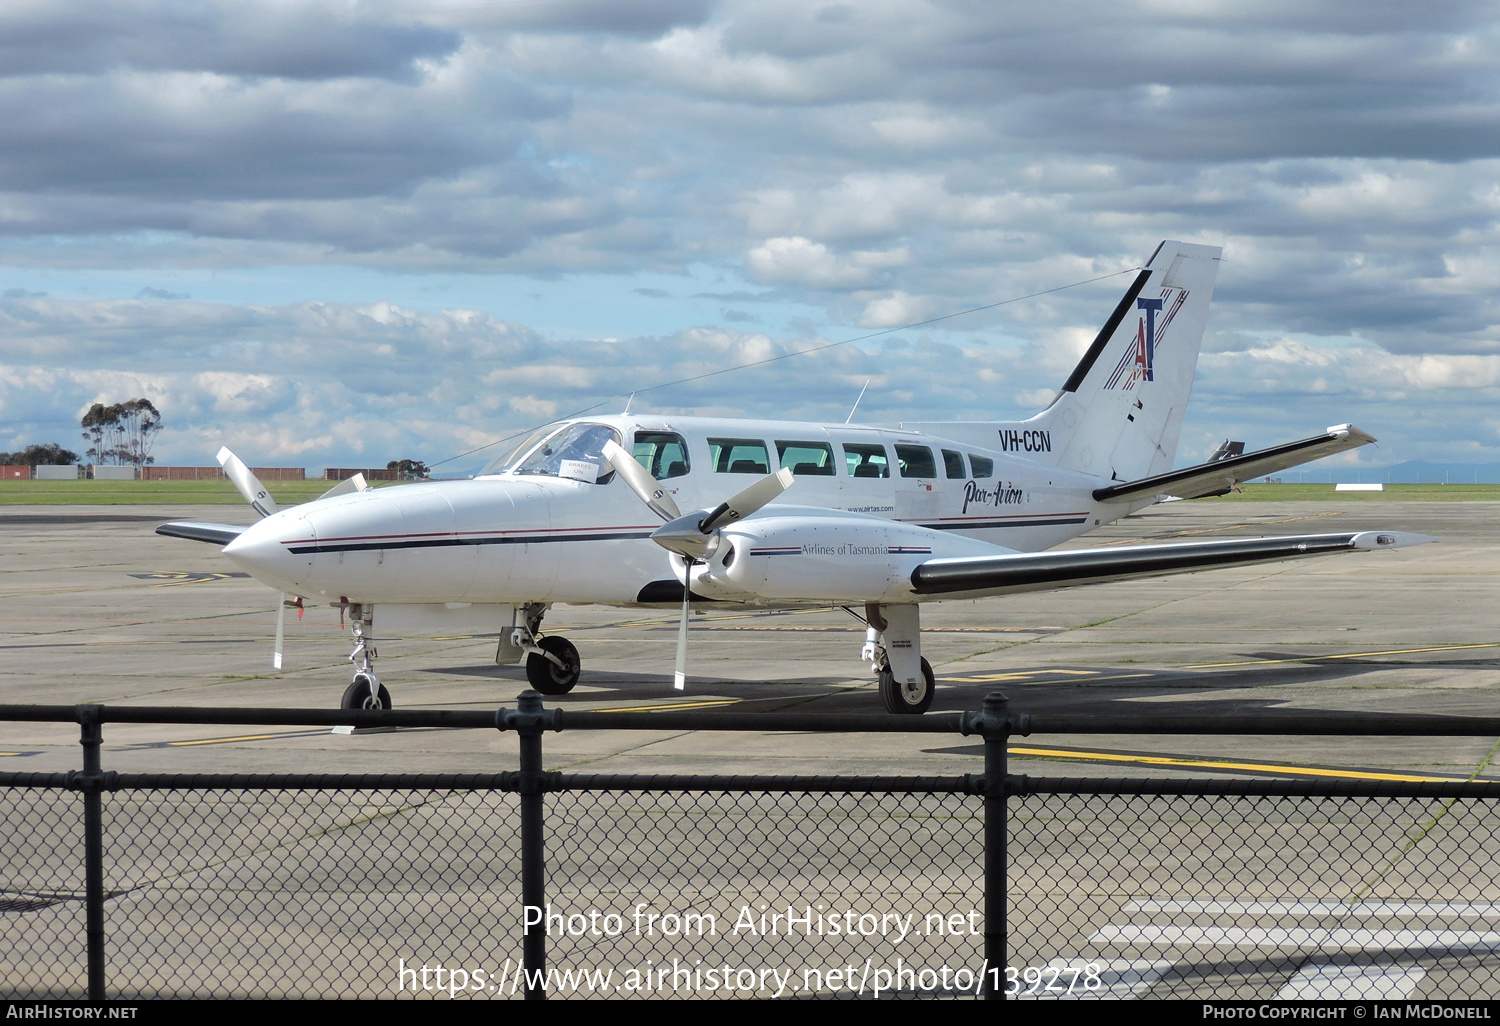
[1220, 476]
[998, 575]
[218, 534]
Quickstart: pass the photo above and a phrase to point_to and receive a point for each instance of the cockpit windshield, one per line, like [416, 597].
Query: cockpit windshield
[575, 452]
[513, 455]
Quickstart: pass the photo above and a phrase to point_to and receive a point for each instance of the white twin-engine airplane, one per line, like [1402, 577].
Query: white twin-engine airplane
[879, 521]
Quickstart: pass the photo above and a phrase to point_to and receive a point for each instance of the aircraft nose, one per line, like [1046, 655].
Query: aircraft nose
[268, 551]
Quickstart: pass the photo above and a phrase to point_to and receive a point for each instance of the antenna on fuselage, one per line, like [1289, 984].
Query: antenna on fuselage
[856, 402]
[628, 401]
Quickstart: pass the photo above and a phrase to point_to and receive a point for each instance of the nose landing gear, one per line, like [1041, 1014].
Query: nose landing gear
[365, 691]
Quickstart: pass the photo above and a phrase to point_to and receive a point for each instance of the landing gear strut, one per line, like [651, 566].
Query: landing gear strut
[893, 644]
[366, 691]
[552, 663]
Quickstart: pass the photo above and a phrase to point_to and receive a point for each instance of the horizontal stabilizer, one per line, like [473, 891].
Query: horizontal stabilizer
[1219, 476]
[993, 575]
[219, 534]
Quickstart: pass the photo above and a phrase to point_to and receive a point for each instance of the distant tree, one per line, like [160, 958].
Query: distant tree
[410, 470]
[49, 454]
[122, 433]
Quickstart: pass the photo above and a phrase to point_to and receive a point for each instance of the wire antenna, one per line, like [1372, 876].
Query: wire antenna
[796, 352]
[856, 402]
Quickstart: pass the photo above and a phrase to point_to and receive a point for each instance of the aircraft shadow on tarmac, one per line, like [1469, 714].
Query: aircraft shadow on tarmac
[611, 687]
[1093, 690]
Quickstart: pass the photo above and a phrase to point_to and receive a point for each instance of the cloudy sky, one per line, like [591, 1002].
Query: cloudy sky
[341, 232]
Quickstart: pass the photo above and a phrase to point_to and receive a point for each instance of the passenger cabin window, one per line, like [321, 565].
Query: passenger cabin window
[807, 459]
[662, 453]
[915, 461]
[576, 454]
[982, 467]
[953, 465]
[866, 460]
[739, 456]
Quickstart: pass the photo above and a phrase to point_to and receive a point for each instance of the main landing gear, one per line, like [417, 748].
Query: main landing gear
[893, 645]
[552, 663]
[365, 691]
[553, 668]
[900, 697]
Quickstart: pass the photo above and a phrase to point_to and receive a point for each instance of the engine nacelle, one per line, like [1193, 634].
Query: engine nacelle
[839, 558]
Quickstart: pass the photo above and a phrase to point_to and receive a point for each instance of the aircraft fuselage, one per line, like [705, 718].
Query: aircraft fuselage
[524, 536]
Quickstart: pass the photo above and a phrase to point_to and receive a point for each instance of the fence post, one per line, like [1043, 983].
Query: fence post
[529, 726]
[996, 711]
[91, 782]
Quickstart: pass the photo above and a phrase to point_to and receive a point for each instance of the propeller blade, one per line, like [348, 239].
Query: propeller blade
[640, 481]
[748, 500]
[357, 483]
[679, 675]
[248, 484]
[280, 630]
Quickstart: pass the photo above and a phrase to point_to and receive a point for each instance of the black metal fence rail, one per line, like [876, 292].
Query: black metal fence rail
[996, 714]
[200, 874]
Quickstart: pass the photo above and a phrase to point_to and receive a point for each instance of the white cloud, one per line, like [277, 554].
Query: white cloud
[814, 265]
[1288, 366]
[893, 311]
[871, 163]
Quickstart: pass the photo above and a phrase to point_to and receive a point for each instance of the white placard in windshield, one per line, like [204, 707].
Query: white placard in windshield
[579, 470]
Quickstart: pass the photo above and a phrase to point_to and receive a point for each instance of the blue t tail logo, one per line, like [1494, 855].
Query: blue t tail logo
[1146, 338]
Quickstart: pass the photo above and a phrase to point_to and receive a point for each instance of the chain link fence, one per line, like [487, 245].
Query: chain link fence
[257, 893]
[434, 886]
[1251, 897]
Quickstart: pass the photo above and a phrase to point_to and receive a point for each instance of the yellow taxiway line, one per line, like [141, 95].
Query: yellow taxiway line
[1346, 655]
[224, 740]
[1252, 767]
[1029, 677]
[671, 708]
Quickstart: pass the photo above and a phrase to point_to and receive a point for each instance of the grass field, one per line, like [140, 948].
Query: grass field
[126, 493]
[1392, 493]
[130, 493]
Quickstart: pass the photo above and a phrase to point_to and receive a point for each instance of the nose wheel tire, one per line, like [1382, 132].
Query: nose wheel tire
[545, 675]
[901, 698]
[357, 695]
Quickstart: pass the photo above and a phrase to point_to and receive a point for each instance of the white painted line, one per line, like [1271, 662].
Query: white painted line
[1121, 979]
[1282, 937]
[1352, 983]
[1460, 909]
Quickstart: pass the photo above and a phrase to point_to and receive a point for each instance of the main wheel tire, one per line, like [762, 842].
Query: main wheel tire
[545, 675]
[357, 695]
[911, 699]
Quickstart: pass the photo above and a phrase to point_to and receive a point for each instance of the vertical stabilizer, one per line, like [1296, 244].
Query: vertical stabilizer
[1120, 412]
